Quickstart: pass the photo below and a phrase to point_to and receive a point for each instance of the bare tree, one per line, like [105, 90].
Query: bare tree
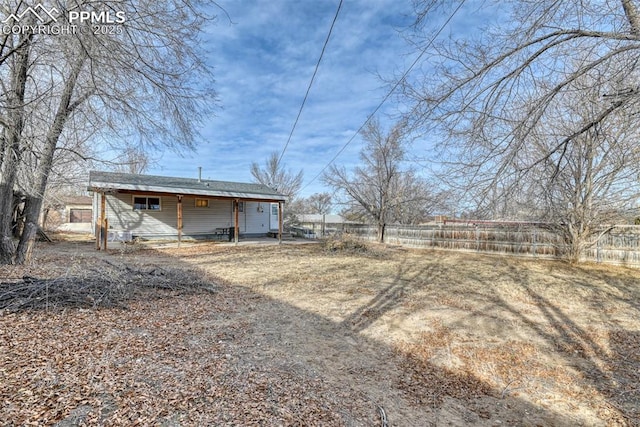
[15, 54]
[141, 79]
[68, 175]
[529, 114]
[275, 175]
[318, 203]
[381, 189]
[133, 160]
[594, 180]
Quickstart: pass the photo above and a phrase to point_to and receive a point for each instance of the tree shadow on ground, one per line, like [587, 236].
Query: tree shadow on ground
[605, 354]
[389, 298]
[233, 357]
[607, 366]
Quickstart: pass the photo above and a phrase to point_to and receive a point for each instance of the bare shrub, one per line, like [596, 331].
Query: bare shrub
[346, 244]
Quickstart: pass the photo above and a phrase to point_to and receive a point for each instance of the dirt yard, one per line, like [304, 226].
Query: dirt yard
[324, 334]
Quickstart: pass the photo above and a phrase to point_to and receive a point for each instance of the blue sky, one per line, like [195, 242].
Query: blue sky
[263, 61]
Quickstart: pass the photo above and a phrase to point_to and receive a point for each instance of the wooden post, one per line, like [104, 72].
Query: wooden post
[96, 232]
[105, 235]
[279, 222]
[236, 220]
[179, 225]
[101, 237]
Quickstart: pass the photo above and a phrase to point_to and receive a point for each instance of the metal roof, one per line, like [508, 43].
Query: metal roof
[100, 181]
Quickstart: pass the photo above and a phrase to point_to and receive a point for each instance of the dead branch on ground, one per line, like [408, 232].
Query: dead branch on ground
[110, 285]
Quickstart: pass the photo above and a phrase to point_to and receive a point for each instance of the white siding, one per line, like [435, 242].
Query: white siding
[205, 220]
[122, 216]
[256, 220]
[195, 220]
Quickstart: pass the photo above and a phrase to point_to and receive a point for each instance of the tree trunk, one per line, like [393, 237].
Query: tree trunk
[45, 217]
[576, 242]
[631, 11]
[17, 219]
[12, 154]
[7, 249]
[34, 200]
[30, 229]
[381, 230]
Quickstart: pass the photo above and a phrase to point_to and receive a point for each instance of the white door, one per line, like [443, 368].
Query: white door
[274, 224]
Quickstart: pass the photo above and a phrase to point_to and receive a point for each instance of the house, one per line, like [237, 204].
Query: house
[159, 207]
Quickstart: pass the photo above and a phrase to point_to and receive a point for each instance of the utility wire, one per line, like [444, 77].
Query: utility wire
[395, 86]
[326, 42]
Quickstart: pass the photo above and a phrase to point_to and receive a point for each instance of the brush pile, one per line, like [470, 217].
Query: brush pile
[104, 285]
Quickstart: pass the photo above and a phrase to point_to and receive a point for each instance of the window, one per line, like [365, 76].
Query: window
[80, 215]
[202, 203]
[240, 207]
[146, 203]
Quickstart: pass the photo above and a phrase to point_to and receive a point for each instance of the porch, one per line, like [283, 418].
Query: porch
[151, 207]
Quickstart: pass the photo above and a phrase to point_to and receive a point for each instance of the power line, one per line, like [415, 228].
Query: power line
[395, 86]
[326, 42]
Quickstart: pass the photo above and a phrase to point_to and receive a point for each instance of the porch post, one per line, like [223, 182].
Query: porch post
[98, 227]
[236, 220]
[101, 238]
[96, 232]
[105, 235]
[179, 225]
[279, 222]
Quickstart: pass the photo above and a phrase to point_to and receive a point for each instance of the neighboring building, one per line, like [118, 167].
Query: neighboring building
[158, 207]
[77, 214]
[68, 214]
[322, 225]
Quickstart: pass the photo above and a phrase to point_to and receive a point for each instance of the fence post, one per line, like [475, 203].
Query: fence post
[533, 242]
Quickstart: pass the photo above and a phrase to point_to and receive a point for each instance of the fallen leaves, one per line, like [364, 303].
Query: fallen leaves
[159, 344]
[139, 366]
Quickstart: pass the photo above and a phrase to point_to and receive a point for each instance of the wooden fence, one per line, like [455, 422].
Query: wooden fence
[619, 245]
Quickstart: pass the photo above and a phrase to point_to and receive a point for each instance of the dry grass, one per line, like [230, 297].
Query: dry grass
[546, 332]
[324, 334]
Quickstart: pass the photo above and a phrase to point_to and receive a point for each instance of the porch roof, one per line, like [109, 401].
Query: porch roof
[100, 181]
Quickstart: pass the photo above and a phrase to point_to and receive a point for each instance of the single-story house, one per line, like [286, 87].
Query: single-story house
[160, 207]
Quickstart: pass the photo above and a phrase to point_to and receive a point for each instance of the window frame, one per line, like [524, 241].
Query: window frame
[206, 205]
[80, 215]
[147, 207]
